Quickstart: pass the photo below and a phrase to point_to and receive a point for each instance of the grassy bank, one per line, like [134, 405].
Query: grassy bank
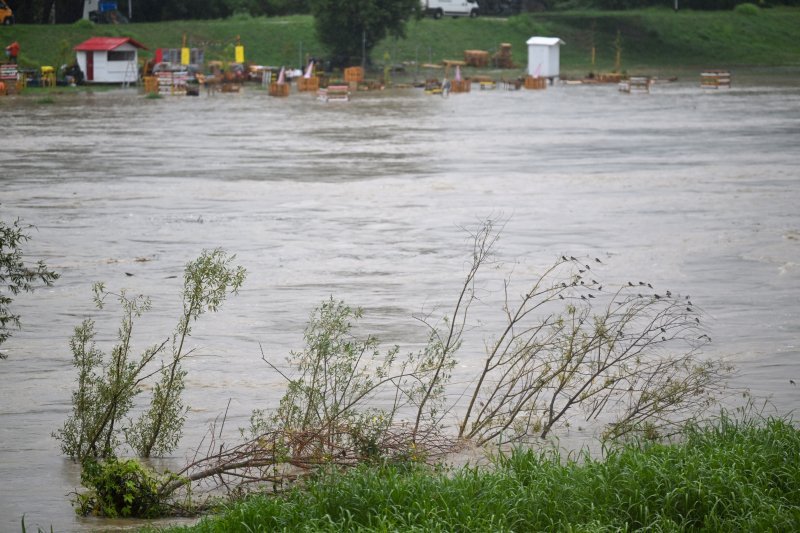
[650, 39]
[728, 477]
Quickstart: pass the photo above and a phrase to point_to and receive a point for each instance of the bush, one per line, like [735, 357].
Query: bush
[118, 489]
[750, 10]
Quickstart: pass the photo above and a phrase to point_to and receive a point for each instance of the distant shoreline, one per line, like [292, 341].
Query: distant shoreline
[650, 40]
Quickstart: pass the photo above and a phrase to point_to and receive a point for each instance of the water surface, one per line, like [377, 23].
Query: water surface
[367, 202]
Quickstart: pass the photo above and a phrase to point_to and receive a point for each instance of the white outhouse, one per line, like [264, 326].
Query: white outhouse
[543, 57]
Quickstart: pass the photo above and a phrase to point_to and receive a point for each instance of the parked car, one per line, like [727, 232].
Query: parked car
[451, 8]
[6, 15]
[108, 17]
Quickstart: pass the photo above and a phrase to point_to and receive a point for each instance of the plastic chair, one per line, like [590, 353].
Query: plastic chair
[48, 76]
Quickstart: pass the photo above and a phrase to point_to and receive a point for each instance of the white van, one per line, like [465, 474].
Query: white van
[451, 8]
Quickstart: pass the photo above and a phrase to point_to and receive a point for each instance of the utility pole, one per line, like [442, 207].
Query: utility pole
[364, 50]
[130, 9]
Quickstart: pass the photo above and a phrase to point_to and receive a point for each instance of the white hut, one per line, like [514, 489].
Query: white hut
[543, 57]
[109, 59]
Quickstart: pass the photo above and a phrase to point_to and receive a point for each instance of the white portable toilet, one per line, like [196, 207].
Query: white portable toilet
[543, 57]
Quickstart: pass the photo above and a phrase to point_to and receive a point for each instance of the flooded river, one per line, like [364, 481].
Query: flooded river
[367, 202]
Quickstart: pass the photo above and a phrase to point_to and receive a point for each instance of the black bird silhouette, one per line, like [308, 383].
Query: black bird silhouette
[650, 286]
[128, 274]
[658, 297]
[597, 260]
[591, 296]
[587, 267]
[792, 382]
[697, 320]
[563, 257]
[663, 330]
[600, 288]
[561, 296]
[581, 271]
[630, 284]
[583, 297]
[572, 258]
[669, 294]
[689, 309]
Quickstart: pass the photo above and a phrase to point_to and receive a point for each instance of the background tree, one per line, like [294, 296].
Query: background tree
[352, 28]
[284, 7]
[16, 275]
[38, 11]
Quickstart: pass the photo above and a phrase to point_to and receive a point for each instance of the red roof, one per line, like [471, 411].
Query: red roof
[96, 44]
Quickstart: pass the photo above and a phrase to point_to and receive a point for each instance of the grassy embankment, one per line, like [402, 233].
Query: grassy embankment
[728, 477]
[652, 40]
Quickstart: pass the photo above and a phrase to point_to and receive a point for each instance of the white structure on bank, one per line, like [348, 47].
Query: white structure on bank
[89, 6]
[543, 57]
[109, 59]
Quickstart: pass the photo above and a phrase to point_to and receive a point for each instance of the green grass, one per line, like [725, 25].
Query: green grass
[651, 38]
[727, 477]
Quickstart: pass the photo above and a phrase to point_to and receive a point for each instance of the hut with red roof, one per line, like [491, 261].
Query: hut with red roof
[109, 59]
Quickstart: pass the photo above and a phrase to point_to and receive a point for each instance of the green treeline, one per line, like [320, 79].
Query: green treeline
[68, 11]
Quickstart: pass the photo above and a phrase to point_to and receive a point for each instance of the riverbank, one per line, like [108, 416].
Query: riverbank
[730, 476]
[657, 40]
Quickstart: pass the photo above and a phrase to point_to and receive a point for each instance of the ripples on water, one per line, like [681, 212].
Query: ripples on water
[366, 201]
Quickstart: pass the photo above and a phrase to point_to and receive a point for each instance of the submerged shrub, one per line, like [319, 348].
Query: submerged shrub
[118, 489]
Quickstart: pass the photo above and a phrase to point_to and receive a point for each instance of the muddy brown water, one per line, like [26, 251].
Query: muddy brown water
[367, 202]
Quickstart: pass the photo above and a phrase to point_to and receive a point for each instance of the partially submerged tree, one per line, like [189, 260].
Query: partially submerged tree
[352, 28]
[16, 275]
[627, 356]
[107, 386]
[340, 408]
[345, 397]
[207, 282]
